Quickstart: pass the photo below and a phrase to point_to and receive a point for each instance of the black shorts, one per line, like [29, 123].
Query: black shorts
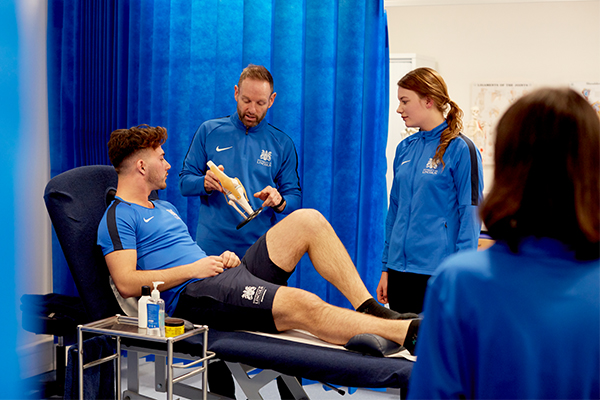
[240, 298]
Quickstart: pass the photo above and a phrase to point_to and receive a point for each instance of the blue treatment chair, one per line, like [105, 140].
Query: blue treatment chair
[76, 201]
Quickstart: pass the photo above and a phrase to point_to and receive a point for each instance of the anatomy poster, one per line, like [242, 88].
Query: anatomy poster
[488, 102]
[589, 90]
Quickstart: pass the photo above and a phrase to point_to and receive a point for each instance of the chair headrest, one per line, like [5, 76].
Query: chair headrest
[76, 201]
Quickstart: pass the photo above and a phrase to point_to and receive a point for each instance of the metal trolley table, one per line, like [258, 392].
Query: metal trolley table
[126, 327]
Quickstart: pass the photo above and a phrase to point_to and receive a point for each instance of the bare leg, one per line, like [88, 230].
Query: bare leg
[298, 309]
[307, 231]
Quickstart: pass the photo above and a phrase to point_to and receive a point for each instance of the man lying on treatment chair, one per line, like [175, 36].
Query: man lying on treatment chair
[146, 241]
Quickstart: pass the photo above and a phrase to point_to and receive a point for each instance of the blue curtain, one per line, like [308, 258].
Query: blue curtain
[174, 63]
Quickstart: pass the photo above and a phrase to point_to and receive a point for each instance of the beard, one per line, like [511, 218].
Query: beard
[252, 122]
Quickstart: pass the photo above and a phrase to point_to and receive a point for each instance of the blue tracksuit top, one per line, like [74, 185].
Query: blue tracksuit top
[259, 156]
[504, 325]
[433, 209]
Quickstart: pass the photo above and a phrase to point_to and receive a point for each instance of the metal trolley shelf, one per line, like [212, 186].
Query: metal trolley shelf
[126, 327]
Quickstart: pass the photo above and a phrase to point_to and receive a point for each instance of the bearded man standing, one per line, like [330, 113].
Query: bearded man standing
[245, 146]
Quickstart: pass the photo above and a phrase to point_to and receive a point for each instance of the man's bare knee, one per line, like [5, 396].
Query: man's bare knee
[308, 219]
[295, 308]
[303, 301]
[290, 239]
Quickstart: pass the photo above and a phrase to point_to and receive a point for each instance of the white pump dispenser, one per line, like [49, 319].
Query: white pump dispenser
[143, 308]
[156, 312]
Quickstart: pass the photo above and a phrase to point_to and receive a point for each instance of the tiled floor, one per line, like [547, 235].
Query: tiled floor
[315, 391]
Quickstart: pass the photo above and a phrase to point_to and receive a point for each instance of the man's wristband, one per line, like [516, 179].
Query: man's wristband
[279, 205]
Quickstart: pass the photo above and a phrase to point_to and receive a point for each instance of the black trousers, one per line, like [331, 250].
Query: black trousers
[406, 291]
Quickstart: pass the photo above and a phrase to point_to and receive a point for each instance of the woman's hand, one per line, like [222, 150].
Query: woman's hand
[382, 288]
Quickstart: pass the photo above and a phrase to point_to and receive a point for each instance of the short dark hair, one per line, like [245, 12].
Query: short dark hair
[125, 142]
[546, 179]
[257, 72]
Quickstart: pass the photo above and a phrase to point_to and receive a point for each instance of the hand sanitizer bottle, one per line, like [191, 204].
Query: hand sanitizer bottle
[142, 308]
[156, 313]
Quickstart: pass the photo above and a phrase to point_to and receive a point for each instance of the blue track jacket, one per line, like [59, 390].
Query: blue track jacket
[260, 156]
[433, 209]
[504, 325]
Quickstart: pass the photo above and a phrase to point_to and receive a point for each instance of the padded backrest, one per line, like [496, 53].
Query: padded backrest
[76, 201]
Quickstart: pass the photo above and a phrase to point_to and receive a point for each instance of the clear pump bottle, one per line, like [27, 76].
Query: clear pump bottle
[156, 312]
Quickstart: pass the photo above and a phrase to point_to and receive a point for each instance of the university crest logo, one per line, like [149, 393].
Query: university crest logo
[265, 158]
[173, 213]
[431, 167]
[255, 294]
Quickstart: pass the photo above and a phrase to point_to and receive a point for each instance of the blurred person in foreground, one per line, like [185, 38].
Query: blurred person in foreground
[522, 319]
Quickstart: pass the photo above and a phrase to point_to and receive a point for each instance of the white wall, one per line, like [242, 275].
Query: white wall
[33, 241]
[543, 43]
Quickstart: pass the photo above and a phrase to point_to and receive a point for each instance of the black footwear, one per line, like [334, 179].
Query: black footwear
[372, 307]
[411, 335]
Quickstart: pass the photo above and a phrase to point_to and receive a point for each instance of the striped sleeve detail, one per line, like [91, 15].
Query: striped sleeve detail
[474, 169]
[111, 222]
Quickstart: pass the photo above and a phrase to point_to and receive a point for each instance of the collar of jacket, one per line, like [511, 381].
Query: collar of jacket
[237, 122]
[435, 133]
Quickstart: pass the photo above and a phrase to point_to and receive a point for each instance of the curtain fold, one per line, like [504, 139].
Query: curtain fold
[174, 63]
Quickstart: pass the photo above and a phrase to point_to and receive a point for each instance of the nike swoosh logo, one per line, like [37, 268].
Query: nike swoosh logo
[404, 162]
[223, 149]
[148, 219]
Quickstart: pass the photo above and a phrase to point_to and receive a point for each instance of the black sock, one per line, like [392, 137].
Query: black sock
[372, 307]
[411, 335]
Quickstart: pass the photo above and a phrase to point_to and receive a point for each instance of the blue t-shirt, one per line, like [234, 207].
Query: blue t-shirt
[503, 325]
[158, 234]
